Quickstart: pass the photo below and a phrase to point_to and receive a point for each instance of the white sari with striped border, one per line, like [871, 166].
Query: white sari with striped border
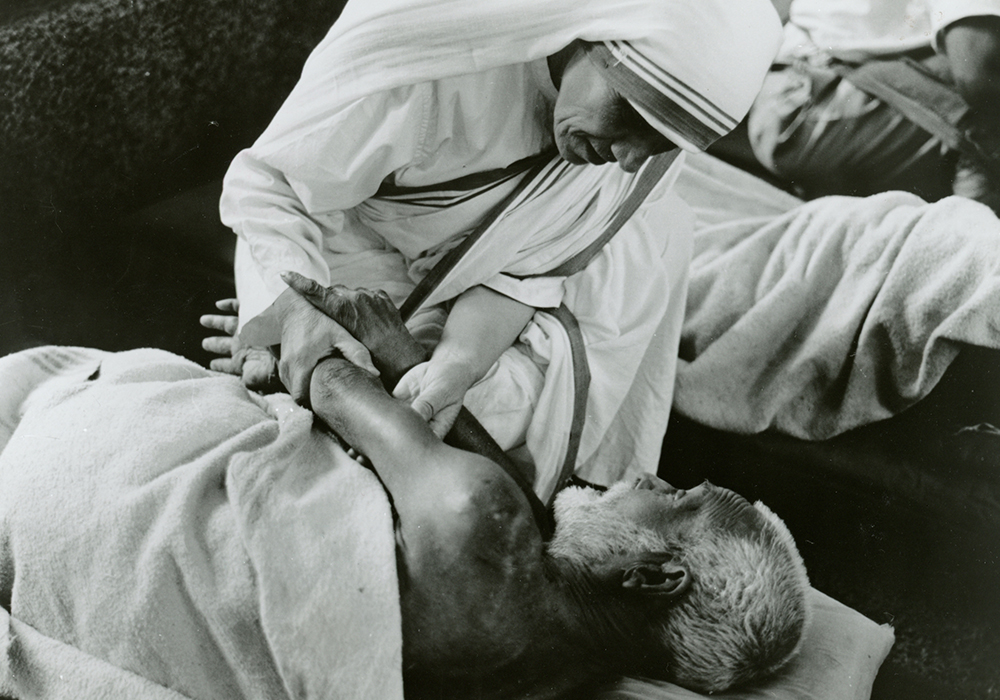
[626, 304]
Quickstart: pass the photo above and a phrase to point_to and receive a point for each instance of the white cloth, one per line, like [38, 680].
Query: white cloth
[159, 522]
[861, 29]
[676, 68]
[628, 302]
[166, 535]
[814, 318]
[721, 48]
[313, 213]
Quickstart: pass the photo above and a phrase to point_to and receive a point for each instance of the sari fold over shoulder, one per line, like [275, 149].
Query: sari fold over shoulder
[623, 243]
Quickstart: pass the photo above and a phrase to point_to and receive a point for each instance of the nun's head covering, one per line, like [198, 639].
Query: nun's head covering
[695, 74]
[690, 67]
[693, 85]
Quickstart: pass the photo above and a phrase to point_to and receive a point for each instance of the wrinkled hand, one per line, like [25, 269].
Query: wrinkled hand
[257, 367]
[307, 337]
[370, 317]
[435, 389]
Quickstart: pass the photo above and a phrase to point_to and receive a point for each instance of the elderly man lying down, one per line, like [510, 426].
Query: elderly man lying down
[158, 517]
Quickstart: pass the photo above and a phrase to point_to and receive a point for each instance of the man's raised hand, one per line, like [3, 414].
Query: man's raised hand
[371, 318]
[307, 337]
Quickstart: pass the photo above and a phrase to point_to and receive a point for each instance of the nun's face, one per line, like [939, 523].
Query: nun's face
[593, 123]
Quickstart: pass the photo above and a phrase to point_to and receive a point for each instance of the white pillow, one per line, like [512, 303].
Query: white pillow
[840, 656]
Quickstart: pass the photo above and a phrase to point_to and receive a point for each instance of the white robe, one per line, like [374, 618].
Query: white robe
[324, 216]
[452, 88]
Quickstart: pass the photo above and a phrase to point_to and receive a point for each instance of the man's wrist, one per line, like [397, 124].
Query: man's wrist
[354, 405]
[396, 358]
[336, 386]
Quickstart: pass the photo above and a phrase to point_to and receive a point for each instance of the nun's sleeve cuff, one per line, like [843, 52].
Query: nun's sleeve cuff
[539, 292]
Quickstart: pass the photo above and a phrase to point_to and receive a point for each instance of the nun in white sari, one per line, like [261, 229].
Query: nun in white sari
[421, 127]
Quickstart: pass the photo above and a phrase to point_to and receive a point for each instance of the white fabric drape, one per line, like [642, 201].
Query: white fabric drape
[814, 318]
[722, 47]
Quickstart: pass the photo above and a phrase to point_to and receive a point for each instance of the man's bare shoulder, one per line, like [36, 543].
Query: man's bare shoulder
[480, 593]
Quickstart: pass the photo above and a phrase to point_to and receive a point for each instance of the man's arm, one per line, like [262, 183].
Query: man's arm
[372, 319]
[455, 508]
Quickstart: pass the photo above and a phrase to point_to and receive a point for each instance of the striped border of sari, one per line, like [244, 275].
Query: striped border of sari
[663, 95]
[651, 175]
[545, 170]
[540, 177]
[581, 390]
[462, 189]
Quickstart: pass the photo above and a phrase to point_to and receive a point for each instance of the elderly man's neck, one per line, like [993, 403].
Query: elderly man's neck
[577, 633]
[609, 630]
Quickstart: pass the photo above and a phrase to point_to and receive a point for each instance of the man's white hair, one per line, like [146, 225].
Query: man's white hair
[744, 615]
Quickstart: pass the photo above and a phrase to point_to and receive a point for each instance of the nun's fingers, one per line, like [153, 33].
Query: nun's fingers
[223, 324]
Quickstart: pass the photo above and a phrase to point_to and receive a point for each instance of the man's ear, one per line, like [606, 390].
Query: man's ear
[656, 576]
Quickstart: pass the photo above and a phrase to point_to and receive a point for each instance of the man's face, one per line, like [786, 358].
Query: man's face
[594, 124]
[641, 515]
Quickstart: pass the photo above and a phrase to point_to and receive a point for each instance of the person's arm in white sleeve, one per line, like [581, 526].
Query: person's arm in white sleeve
[482, 324]
[284, 196]
[275, 232]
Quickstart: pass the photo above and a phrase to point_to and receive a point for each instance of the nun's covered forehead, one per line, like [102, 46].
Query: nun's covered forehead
[695, 74]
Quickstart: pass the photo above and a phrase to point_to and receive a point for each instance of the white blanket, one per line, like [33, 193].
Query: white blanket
[819, 317]
[164, 533]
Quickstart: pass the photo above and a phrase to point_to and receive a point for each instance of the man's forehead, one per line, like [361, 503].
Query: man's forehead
[727, 511]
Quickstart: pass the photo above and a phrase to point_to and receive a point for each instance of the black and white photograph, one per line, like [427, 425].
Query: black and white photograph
[500, 349]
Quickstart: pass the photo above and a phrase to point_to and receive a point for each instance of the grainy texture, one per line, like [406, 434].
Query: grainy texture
[105, 108]
[107, 104]
[118, 117]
